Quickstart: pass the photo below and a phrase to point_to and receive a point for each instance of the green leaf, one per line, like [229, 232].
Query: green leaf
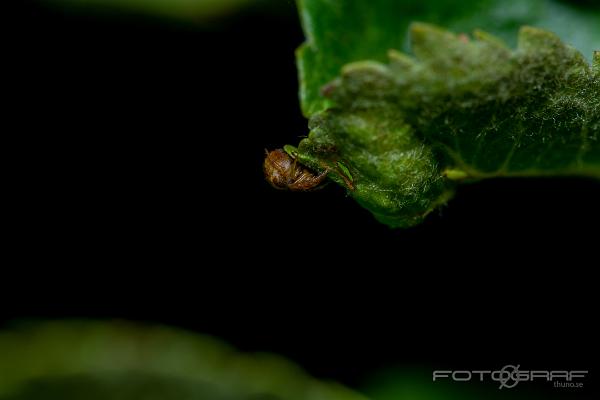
[342, 31]
[461, 109]
[122, 361]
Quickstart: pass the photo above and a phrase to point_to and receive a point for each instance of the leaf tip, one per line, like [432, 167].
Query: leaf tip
[401, 60]
[427, 40]
[534, 39]
[363, 66]
[420, 31]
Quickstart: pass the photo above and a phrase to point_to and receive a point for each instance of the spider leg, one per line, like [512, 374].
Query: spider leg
[293, 176]
[321, 177]
[328, 169]
[345, 178]
[347, 181]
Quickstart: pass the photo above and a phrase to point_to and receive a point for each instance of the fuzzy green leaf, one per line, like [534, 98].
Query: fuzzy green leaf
[118, 360]
[343, 31]
[460, 110]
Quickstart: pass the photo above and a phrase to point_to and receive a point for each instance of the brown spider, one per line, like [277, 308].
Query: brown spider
[283, 172]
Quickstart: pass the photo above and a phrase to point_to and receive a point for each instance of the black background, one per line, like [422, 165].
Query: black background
[137, 192]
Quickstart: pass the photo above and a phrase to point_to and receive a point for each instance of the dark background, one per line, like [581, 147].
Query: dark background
[137, 192]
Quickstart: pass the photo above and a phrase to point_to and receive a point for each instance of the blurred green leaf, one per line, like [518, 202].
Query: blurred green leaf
[117, 360]
[181, 9]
